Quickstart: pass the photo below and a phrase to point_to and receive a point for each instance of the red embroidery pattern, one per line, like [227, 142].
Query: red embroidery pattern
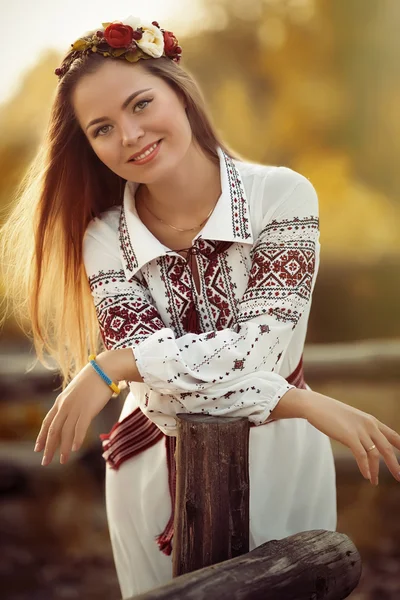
[220, 307]
[240, 216]
[238, 365]
[217, 309]
[125, 243]
[283, 266]
[129, 437]
[176, 277]
[102, 279]
[125, 317]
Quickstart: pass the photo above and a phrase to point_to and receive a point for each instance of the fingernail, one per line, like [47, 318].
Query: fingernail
[74, 447]
[62, 459]
[376, 481]
[44, 460]
[37, 448]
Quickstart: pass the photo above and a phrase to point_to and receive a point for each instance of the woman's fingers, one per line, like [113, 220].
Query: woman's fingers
[373, 456]
[390, 434]
[385, 448]
[81, 428]
[67, 436]
[66, 430]
[47, 421]
[379, 440]
[361, 457]
[53, 436]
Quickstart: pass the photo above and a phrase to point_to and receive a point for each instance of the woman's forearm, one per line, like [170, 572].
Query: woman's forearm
[293, 405]
[119, 365]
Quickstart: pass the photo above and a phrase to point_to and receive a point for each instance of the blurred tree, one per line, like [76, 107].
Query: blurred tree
[23, 120]
[367, 55]
[280, 87]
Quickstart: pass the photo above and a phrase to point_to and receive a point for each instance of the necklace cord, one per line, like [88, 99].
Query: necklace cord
[177, 228]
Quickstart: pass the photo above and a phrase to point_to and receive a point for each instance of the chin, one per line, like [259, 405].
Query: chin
[154, 174]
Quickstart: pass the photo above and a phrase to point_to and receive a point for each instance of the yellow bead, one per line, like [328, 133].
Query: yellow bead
[115, 388]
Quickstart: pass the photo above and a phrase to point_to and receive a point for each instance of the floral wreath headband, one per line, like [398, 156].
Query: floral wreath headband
[131, 40]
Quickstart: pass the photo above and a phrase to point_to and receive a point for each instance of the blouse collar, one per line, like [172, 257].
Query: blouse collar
[230, 221]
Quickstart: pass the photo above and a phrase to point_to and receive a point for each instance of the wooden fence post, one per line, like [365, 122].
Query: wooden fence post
[212, 491]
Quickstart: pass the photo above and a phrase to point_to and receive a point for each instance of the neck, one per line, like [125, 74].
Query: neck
[185, 198]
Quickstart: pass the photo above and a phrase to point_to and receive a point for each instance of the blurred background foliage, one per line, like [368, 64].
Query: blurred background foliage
[310, 84]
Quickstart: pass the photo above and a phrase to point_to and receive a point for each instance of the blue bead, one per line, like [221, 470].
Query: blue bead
[100, 372]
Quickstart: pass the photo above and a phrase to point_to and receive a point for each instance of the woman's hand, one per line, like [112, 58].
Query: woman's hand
[358, 431]
[67, 422]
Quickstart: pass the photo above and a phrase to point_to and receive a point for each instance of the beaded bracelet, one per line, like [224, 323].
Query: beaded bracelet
[104, 377]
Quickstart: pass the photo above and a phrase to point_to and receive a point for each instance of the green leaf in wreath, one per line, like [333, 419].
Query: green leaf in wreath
[132, 56]
[80, 45]
[118, 52]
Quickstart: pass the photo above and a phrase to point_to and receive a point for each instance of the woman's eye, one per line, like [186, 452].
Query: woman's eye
[141, 105]
[97, 132]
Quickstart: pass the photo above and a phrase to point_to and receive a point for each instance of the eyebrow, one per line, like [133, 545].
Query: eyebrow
[124, 105]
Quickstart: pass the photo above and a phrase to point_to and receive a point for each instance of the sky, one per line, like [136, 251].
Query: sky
[29, 27]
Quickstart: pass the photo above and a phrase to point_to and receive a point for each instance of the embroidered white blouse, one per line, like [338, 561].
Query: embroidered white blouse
[253, 306]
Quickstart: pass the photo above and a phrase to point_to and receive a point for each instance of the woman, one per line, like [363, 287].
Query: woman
[197, 269]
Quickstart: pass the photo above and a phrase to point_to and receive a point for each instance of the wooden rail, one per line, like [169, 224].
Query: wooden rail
[311, 565]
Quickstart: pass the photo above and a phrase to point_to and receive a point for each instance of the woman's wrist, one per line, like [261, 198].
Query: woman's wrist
[119, 365]
[294, 404]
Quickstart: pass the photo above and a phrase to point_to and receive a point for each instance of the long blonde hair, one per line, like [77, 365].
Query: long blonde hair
[65, 186]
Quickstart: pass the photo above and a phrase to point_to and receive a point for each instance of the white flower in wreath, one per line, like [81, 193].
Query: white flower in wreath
[152, 42]
[134, 22]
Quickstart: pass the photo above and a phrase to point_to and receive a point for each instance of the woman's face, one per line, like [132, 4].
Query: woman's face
[136, 113]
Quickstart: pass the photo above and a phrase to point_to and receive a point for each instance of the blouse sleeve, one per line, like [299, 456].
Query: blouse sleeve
[210, 367]
[125, 309]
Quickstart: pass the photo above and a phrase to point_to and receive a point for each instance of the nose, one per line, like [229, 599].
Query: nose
[131, 133]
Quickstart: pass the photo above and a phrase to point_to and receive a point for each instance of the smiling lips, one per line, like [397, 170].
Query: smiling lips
[147, 154]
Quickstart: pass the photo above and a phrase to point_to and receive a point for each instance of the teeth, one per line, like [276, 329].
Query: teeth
[149, 151]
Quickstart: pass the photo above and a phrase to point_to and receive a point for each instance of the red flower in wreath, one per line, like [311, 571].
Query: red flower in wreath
[170, 44]
[118, 35]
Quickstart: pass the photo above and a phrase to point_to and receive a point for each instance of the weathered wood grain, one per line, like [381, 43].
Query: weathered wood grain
[212, 491]
[311, 565]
